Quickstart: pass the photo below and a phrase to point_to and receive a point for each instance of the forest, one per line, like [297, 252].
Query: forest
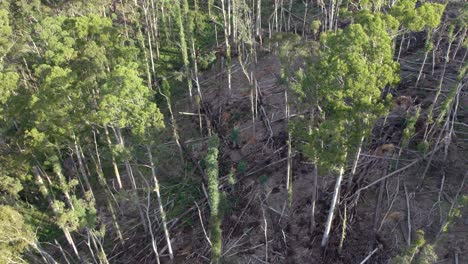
[233, 131]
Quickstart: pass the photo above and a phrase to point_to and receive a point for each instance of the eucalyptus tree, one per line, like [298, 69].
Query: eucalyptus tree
[410, 18]
[345, 85]
[17, 238]
[85, 79]
[431, 14]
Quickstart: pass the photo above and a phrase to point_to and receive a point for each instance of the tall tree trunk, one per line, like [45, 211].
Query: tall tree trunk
[258, 22]
[314, 197]
[114, 163]
[81, 164]
[128, 167]
[355, 164]
[228, 45]
[331, 15]
[306, 9]
[331, 212]
[66, 232]
[103, 183]
[160, 203]
[289, 14]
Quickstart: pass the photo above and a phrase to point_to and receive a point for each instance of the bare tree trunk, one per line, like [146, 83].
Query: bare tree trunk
[289, 161]
[462, 38]
[258, 22]
[150, 47]
[155, 27]
[114, 163]
[174, 125]
[128, 167]
[331, 16]
[45, 192]
[81, 165]
[70, 241]
[289, 14]
[306, 8]
[160, 203]
[102, 181]
[336, 193]
[355, 163]
[401, 47]
[228, 46]
[314, 197]
[422, 68]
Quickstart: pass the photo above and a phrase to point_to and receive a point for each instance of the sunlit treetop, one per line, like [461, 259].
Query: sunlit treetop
[428, 15]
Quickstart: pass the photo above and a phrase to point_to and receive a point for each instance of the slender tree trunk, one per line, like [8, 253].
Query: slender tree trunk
[228, 45]
[462, 38]
[154, 16]
[174, 125]
[401, 46]
[114, 163]
[314, 197]
[103, 183]
[160, 203]
[422, 68]
[289, 160]
[306, 8]
[355, 164]
[289, 180]
[331, 16]
[150, 47]
[258, 22]
[336, 193]
[81, 164]
[66, 232]
[289, 14]
[70, 241]
[128, 167]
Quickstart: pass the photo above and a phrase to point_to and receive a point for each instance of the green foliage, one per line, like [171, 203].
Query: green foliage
[242, 166]
[234, 136]
[409, 130]
[427, 255]
[420, 252]
[423, 147]
[455, 212]
[5, 33]
[231, 176]
[345, 85]
[428, 15]
[82, 215]
[263, 179]
[8, 84]
[315, 26]
[15, 235]
[125, 102]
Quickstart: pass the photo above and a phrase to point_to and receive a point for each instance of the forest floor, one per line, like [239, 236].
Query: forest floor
[259, 227]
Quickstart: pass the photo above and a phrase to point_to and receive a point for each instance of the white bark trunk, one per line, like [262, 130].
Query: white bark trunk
[336, 193]
[161, 208]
